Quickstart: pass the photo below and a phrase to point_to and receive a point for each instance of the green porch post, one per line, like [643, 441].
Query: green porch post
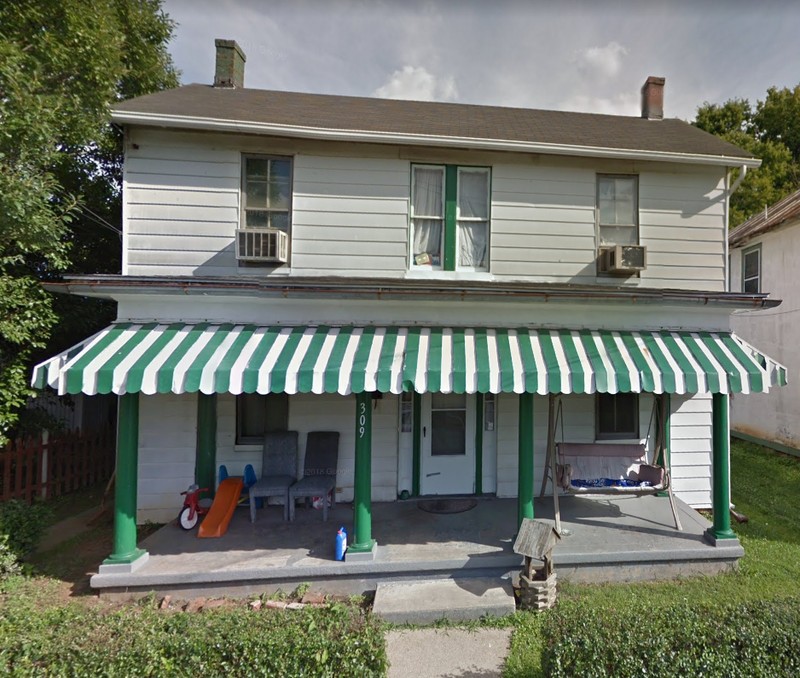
[479, 443]
[721, 500]
[125, 550]
[206, 455]
[525, 463]
[362, 500]
[416, 419]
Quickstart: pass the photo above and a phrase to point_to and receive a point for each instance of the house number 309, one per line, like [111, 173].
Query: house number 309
[362, 420]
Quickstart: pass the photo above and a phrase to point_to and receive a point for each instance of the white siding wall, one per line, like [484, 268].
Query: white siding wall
[167, 444]
[772, 416]
[690, 428]
[350, 214]
[350, 211]
[543, 223]
[690, 431]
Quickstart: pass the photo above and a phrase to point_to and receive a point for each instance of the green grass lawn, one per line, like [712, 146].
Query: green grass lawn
[766, 488]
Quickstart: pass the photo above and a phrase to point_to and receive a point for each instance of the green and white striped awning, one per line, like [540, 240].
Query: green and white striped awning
[228, 358]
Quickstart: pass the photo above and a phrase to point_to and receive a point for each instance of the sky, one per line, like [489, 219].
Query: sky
[576, 55]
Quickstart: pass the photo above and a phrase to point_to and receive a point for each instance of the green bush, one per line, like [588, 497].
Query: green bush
[681, 639]
[9, 564]
[23, 524]
[334, 640]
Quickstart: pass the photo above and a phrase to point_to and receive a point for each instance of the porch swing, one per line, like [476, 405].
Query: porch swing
[620, 469]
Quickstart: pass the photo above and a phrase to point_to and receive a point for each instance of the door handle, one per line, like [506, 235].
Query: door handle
[424, 432]
[428, 475]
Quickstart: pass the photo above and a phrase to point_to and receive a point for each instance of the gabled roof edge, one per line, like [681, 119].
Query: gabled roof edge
[365, 136]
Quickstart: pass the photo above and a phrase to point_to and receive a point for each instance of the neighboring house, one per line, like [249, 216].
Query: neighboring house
[765, 257]
[419, 277]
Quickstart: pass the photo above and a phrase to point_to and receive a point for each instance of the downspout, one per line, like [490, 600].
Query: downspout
[728, 193]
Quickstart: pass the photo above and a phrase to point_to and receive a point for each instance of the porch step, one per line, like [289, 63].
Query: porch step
[428, 601]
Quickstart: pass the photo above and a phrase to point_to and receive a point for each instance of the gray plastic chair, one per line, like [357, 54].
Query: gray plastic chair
[319, 471]
[278, 471]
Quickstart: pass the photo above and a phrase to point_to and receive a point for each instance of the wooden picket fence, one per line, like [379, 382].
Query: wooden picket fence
[49, 466]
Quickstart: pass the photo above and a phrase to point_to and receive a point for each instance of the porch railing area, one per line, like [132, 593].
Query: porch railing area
[48, 466]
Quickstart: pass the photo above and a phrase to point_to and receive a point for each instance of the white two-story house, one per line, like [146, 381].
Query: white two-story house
[420, 277]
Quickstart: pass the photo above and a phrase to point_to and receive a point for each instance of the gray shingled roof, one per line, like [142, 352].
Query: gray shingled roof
[341, 113]
[772, 217]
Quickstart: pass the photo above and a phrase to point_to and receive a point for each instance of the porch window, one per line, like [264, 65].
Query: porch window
[751, 270]
[617, 416]
[266, 192]
[406, 412]
[617, 211]
[258, 414]
[448, 424]
[449, 218]
[488, 411]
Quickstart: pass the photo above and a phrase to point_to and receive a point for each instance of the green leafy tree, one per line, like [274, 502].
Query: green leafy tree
[770, 132]
[62, 64]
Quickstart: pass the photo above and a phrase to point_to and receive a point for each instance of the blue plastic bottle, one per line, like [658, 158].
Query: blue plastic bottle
[341, 543]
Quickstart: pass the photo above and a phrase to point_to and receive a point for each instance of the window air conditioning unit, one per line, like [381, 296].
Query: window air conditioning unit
[623, 259]
[262, 244]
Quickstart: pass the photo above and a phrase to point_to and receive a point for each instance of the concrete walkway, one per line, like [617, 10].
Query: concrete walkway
[426, 653]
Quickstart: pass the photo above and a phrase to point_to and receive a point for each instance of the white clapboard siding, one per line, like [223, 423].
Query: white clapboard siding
[690, 432]
[343, 221]
[167, 443]
[350, 212]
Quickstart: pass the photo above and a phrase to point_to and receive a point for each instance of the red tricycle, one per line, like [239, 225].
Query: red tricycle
[193, 507]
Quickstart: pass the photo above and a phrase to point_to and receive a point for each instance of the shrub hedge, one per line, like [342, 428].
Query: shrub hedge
[72, 641]
[683, 639]
[23, 524]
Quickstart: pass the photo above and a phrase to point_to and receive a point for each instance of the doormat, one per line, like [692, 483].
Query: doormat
[447, 505]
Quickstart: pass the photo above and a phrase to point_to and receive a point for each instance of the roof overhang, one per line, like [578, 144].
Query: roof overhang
[114, 286]
[368, 136]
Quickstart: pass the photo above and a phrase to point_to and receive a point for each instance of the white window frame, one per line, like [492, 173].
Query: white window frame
[243, 209]
[488, 220]
[619, 435]
[412, 265]
[600, 224]
[414, 216]
[241, 437]
[756, 249]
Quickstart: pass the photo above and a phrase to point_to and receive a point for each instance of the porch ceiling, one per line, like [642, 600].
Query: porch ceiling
[228, 358]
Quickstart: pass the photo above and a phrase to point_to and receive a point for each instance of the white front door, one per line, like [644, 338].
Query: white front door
[448, 444]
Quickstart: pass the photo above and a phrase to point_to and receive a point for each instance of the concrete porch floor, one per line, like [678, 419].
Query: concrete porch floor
[612, 539]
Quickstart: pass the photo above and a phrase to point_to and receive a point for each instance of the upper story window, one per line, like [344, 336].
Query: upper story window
[263, 234]
[618, 210]
[449, 218]
[267, 192]
[751, 270]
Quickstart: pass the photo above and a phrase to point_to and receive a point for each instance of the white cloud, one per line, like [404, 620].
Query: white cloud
[621, 104]
[417, 84]
[602, 61]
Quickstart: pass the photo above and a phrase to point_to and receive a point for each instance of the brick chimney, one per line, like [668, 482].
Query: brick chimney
[229, 70]
[653, 98]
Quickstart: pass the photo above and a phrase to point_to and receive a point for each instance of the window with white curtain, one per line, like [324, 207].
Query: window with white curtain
[450, 221]
[618, 210]
[427, 216]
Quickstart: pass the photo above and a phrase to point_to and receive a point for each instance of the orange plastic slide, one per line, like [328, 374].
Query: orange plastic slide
[219, 515]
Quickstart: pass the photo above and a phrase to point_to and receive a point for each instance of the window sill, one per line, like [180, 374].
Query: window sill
[623, 441]
[422, 274]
